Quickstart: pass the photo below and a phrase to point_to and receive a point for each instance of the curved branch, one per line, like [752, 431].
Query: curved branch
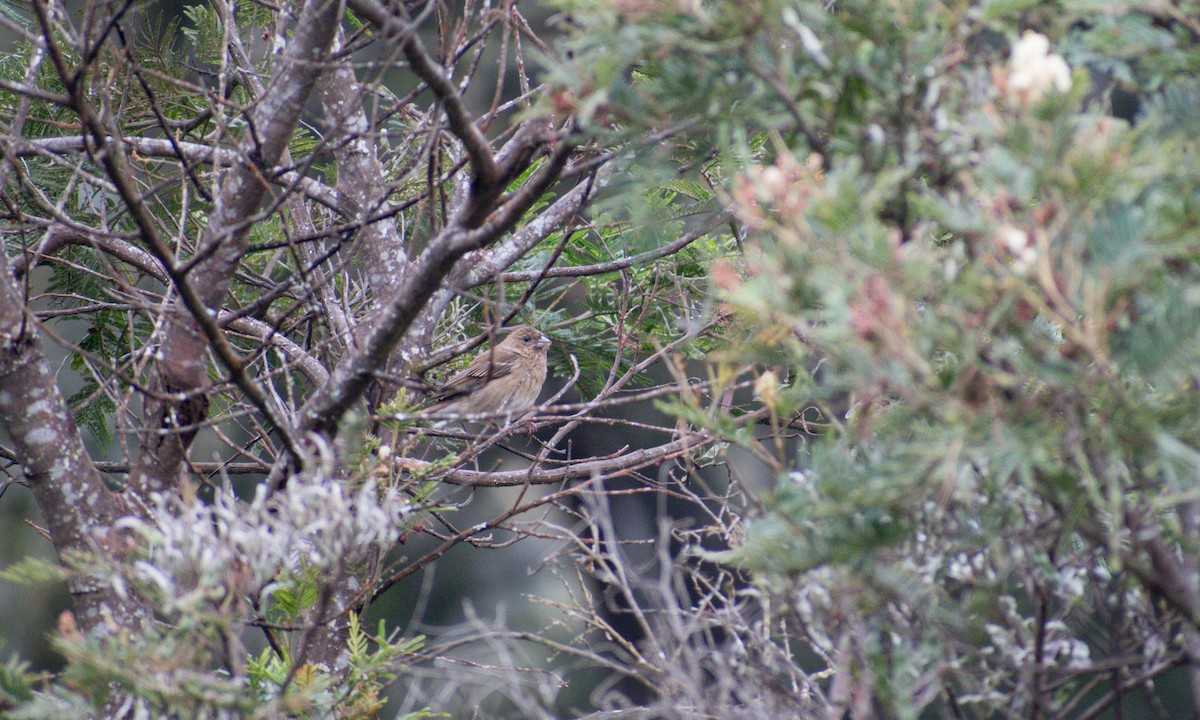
[58, 237]
[309, 366]
[191, 152]
[538, 229]
[605, 467]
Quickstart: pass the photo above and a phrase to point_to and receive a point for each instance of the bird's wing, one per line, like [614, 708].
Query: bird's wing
[489, 365]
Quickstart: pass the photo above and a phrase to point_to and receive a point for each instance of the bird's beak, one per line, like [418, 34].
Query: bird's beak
[543, 342]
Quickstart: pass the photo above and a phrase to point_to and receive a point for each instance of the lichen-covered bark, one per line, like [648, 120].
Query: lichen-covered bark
[361, 185]
[78, 508]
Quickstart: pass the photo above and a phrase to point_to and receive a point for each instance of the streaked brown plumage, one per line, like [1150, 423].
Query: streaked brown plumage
[501, 379]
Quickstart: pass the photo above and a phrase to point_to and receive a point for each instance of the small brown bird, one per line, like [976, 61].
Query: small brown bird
[501, 379]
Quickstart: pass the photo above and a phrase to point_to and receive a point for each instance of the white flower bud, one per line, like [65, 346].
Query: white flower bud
[1034, 70]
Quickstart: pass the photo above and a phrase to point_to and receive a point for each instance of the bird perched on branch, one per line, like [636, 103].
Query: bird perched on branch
[501, 379]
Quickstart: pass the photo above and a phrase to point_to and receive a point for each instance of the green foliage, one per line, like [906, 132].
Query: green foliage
[294, 597]
[15, 12]
[16, 683]
[373, 665]
[33, 571]
[204, 34]
[312, 692]
[987, 303]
